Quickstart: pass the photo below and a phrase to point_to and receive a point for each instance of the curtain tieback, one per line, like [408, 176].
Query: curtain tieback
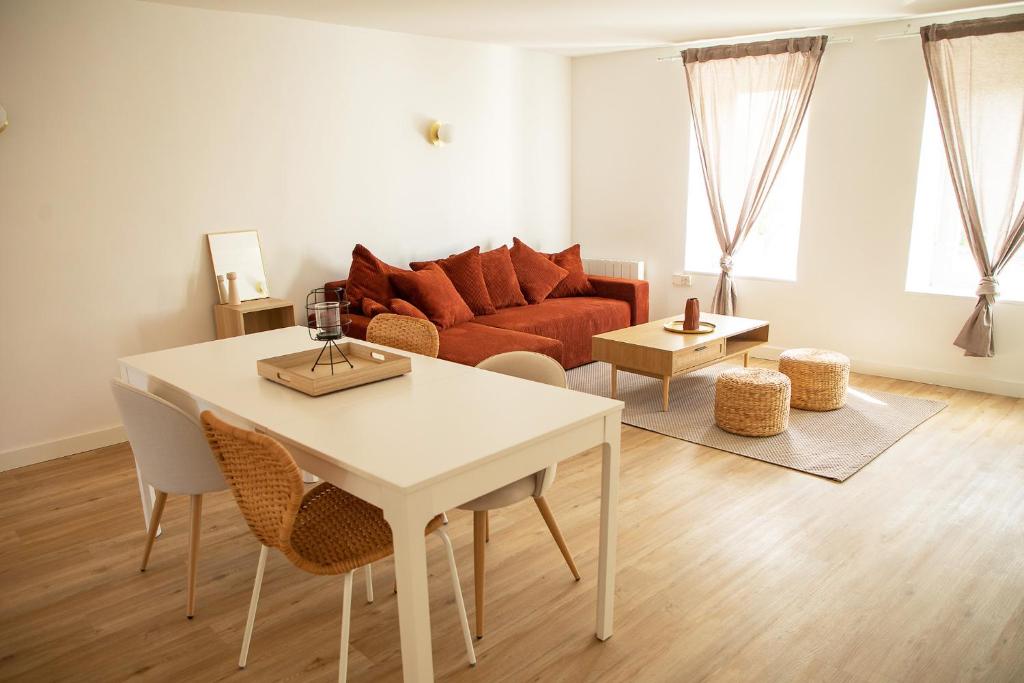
[988, 287]
[725, 263]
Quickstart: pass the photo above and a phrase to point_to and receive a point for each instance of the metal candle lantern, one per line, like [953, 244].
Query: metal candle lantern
[327, 320]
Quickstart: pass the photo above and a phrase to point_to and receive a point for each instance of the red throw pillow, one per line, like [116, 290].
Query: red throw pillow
[431, 291]
[537, 274]
[576, 283]
[500, 277]
[466, 273]
[372, 308]
[403, 307]
[368, 277]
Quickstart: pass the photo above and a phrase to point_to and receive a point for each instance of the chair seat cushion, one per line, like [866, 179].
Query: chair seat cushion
[506, 495]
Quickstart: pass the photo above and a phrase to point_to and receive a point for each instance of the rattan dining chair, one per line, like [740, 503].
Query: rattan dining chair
[538, 368]
[404, 332]
[173, 457]
[322, 531]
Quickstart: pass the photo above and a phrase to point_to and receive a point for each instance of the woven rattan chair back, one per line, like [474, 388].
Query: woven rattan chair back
[266, 482]
[404, 332]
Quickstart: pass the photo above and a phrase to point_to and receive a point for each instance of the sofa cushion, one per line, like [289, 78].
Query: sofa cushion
[576, 283]
[368, 276]
[470, 343]
[573, 320]
[371, 308]
[431, 291]
[500, 277]
[403, 307]
[537, 274]
[466, 273]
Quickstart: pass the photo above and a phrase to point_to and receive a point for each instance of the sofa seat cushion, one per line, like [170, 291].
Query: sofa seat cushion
[572, 320]
[470, 343]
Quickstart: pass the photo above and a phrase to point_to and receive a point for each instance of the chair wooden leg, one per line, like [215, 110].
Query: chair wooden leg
[487, 526]
[346, 618]
[556, 533]
[195, 519]
[460, 605]
[479, 539]
[251, 619]
[154, 524]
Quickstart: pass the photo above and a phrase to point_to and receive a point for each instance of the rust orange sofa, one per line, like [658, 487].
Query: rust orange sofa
[558, 327]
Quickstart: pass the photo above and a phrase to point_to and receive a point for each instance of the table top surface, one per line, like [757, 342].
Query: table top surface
[405, 432]
[653, 335]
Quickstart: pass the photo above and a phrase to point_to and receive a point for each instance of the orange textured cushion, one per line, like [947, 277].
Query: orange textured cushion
[537, 274]
[500, 277]
[403, 307]
[368, 277]
[431, 291]
[576, 283]
[466, 273]
[372, 308]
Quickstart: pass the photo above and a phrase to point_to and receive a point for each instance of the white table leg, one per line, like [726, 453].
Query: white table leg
[146, 493]
[413, 599]
[609, 525]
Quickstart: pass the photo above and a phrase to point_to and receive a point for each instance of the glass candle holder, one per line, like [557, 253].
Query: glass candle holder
[328, 319]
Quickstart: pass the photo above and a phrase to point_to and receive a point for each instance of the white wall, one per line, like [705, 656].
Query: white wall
[630, 146]
[136, 128]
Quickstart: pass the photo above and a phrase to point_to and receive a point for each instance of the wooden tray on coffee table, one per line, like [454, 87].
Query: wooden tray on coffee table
[296, 370]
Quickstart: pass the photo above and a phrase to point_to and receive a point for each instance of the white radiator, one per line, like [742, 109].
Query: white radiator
[633, 270]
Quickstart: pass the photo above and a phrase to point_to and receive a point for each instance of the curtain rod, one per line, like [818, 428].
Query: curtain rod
[840, 40]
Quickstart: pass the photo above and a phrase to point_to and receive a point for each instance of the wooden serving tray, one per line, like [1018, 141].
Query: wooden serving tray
[295, 370]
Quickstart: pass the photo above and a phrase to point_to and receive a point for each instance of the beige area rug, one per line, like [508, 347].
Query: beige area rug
[834, 444]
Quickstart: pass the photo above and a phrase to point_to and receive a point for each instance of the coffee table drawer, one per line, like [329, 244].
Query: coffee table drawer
[698, 355]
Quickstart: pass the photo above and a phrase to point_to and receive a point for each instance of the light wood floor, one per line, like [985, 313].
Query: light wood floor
[729, 569]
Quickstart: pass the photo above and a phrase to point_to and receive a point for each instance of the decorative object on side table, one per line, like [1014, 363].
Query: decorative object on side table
[328, 321]
[691, 315]
[233, 296]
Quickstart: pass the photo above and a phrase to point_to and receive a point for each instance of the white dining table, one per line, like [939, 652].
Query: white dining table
[415, 445]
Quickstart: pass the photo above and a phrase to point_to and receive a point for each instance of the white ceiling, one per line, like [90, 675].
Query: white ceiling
[579, 27]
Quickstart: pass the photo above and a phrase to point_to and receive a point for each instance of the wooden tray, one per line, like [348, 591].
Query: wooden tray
[295, 370]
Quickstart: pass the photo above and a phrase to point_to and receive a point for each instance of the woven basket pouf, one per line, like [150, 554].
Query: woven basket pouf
[752, 402]
[819, 378]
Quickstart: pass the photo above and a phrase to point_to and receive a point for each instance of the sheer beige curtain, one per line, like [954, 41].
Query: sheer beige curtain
[976, 69]
[748, 102]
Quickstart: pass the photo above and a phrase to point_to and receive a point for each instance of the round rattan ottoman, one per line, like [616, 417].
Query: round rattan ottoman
[819, 378]
[752, 402]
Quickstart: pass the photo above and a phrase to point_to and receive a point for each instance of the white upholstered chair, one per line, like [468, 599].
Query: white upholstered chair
[172, 456]
[538, 368]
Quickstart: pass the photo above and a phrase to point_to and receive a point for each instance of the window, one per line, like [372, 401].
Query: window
[770, 250]
[940, 258]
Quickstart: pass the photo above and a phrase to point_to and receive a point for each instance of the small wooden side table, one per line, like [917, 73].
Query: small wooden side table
[248, 317]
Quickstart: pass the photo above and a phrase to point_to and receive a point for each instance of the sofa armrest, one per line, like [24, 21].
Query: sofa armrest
[634, 292]
[333, 284]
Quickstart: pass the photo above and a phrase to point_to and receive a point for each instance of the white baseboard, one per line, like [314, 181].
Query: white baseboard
[51, 450]
[988, 385]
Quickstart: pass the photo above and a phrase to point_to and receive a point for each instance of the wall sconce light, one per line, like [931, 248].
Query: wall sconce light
[3, 119]
[440, 133]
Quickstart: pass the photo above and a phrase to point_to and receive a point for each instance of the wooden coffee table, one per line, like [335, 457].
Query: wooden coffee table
[651, 350]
